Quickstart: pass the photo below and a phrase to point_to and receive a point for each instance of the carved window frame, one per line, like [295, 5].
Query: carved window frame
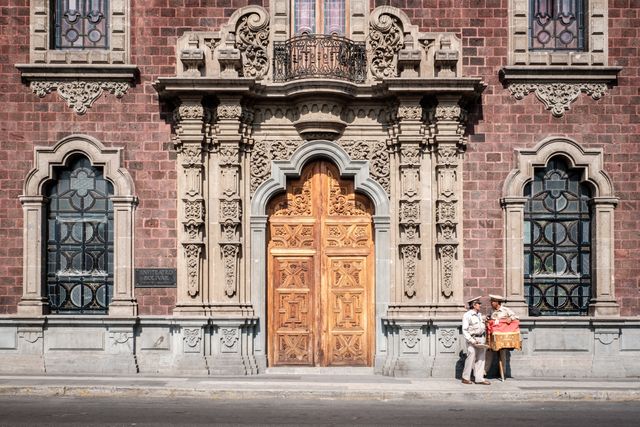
[558, 77]
[34, 300]
[604, 201]
[79, 75]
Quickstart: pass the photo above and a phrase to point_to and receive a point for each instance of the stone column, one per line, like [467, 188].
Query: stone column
[189, 141]
[603, 302]
[410, 139]
[449, 141]
[513, 208]
[34, 301]
[123, 302]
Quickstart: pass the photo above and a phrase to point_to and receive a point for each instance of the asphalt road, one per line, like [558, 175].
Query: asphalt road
[90, 411]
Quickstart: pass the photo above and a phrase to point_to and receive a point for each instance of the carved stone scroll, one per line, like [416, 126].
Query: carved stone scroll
[376, 153]
[252, 40]
[265, 151]
[385, 41]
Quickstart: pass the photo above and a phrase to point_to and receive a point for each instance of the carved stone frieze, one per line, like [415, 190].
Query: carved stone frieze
[192, 254]
[411, 337]
[558, 97]
[252, 40]
[191, 337]
[410, 112]
[410, 255]
[448, 338]
[79, 95]
[385, 41]
[229, 338]
[230, 253]
[377, 154]
[448, 112]
[447, 255]
[263, 152]
[30, 336]
[229, 111]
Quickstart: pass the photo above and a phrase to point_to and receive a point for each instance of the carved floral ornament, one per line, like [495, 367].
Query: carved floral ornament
[252, 39]
[558, 97]
[385, 41]
[79, 95]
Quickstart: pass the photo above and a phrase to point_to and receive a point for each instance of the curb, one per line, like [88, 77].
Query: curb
[381, 395]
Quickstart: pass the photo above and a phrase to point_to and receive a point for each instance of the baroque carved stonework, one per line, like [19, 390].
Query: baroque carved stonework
[448, 337]
[229, 338]
[410, 112]
[79, 95]
[377, 154]
[192, 253]
[230, 260]
[191, 337]
[263, 153]
[252, 40]
[229, 111]
[410, 255]
[411, 337]
[385, 41]
[447, 255]
[558, 97]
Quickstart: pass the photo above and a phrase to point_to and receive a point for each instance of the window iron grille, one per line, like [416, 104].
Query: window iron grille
[80, 240]
[557, 241]
[81, 24]
[557, 25]
[319, 55]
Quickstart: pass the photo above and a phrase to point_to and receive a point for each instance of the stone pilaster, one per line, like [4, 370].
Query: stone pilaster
[229, 137]
[123, 303]
[447, 132]
[603, 302]
[34, 301]
[189, 141]
[410, 140]
[513, 254]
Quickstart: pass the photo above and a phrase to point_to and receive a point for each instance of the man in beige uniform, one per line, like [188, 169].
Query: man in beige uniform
[501, 313]
[474, 332]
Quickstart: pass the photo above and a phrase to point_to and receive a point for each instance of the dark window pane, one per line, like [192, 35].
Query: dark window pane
[556, 24]
[81, 24]
[80, 240]
[557, 241]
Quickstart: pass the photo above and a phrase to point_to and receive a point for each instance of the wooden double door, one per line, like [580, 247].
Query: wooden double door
[320, 272]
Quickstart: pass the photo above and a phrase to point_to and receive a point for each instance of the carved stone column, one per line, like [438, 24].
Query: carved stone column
[189, 142]
[448, 137]
[603, 302]
[409, 200]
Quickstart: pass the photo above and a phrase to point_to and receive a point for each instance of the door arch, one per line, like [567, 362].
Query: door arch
[320, 272]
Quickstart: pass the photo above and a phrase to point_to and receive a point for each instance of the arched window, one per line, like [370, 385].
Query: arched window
[557, 24]
[557, 240]
[80, 24]
[320, 17]
[79, 255]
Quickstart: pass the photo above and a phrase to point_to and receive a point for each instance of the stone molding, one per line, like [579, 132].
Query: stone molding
[557, 87]
[34, 301]
[603, 301]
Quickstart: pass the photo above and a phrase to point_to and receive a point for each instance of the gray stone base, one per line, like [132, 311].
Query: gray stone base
[552, 347]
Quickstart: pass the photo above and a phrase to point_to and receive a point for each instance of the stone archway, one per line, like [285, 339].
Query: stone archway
[284, 170]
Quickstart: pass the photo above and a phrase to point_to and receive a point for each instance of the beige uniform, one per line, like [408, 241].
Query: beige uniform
[474, 332]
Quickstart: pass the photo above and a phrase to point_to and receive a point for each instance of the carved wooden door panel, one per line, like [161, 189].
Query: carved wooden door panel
[320, 272]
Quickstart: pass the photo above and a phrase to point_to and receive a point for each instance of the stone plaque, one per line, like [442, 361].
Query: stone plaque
[155, 277]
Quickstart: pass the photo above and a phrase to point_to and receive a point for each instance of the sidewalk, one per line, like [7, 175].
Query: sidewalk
[321, 386]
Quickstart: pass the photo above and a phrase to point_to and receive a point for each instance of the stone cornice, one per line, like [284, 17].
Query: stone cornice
[176, 86]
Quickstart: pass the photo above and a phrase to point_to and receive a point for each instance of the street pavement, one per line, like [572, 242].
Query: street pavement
[318, 384]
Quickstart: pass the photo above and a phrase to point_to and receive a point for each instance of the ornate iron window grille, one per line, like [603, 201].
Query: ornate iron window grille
[80, 24]
[319, 55]
[557, 241]
[80, 240]
[556, 24]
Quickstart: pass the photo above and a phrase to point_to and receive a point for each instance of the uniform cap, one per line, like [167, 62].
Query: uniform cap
[498, 298]
[474, 299]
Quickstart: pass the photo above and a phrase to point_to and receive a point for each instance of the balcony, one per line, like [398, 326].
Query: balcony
[319, 56]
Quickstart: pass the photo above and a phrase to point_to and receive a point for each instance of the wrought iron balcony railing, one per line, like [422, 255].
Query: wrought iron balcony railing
[319, 55]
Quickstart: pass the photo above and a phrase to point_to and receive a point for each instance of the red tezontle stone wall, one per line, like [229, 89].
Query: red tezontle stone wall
[138, 123]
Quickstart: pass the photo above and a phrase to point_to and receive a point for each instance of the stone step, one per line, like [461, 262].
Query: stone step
[313, 370]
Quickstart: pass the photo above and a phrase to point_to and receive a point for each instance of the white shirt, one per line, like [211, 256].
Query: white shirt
[503, 313]
[472, 325]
